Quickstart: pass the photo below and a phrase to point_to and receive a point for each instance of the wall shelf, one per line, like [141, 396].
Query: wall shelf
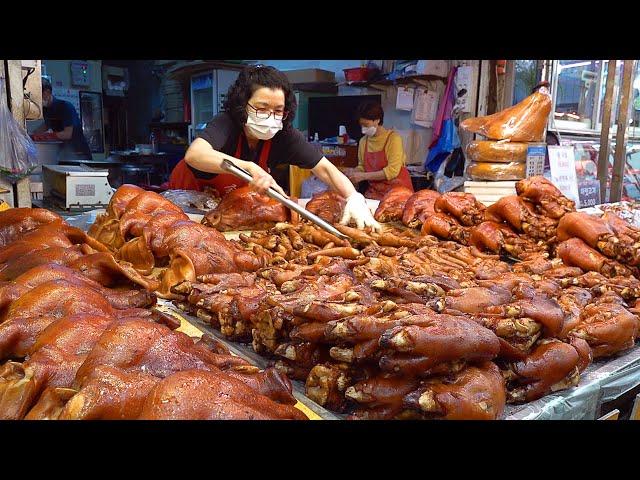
[321, 87]
[396, 81]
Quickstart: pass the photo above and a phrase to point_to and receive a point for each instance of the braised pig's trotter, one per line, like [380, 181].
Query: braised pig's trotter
[392, 204]
[476, 393]
[327, 205]
[201, 395]
[548, 199]
[418, 207]
[552, 366]
[246, 208]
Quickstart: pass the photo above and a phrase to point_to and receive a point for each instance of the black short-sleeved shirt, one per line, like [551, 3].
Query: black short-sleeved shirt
[288, 146]
[61, 114]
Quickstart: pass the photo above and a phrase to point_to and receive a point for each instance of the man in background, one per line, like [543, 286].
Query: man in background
[62, 122]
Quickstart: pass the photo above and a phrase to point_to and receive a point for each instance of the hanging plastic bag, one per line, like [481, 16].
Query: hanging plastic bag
[18, 154]
[450, 174]
[447, 143]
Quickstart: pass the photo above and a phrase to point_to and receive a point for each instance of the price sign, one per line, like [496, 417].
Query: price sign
[589, 192]
[535, 159]
[562, 162]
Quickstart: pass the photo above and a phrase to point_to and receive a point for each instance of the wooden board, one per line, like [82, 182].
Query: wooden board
[15, 89]
[612, 415]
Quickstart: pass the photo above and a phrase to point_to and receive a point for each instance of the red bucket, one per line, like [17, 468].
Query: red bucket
[359, 74]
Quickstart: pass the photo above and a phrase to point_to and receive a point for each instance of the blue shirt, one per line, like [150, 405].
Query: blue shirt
[61, 114]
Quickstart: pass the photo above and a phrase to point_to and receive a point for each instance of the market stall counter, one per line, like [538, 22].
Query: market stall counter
[452, 311]
[605, 379]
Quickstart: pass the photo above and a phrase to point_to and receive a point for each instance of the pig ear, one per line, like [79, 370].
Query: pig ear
[212, 219]
[213, 344]
[165, 319]
[51, 404]
[181, 268]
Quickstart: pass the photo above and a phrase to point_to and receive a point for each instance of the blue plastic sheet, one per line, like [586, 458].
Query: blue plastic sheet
[447, 143]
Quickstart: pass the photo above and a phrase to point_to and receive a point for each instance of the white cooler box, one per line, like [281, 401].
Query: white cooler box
[78, 187]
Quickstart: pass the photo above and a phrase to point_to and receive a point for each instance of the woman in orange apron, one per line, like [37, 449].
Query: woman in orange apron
[383, 167]
[255, 132]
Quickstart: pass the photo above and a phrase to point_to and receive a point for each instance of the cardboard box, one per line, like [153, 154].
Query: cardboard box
[310, 75]
[439, 68]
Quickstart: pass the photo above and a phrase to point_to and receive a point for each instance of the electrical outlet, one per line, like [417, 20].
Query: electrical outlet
[462, 85]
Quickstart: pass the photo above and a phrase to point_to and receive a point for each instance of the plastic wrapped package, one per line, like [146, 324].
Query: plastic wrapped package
[450, 174]
[496, 171]
[17, 151]
[524, 122]
[497, 152]
[192, 200]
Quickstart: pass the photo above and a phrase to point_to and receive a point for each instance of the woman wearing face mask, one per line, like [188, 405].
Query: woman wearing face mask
[255, 128]
[381, 158]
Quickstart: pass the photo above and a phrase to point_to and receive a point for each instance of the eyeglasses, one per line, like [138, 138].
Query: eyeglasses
[264, 113]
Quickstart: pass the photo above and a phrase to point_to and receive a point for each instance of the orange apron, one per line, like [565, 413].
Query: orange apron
[376, 161]
[182, 178]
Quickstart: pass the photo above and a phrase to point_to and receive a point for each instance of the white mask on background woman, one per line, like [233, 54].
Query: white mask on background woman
[263, 128]
[369, 131]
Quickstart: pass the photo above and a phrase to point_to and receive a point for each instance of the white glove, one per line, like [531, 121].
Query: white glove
[357, 209]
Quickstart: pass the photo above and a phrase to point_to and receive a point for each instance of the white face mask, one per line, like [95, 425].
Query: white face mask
[263, 129]
[369, 131]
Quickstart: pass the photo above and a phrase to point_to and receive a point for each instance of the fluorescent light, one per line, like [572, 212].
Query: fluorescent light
[574, 65]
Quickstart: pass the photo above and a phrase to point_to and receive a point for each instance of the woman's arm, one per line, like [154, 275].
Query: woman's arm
[202, 156]
[377, 175]
[356, 209]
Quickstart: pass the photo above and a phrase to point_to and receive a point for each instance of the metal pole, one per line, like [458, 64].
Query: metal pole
[622, 124]
[603, 156]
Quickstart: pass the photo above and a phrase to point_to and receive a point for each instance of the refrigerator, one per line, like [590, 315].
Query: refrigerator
[208, 91]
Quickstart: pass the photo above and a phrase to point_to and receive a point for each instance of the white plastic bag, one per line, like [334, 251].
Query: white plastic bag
[443, 183]
[18, 154]
[311, 186]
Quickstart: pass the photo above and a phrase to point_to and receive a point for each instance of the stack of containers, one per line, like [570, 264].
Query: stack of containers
[494, 165]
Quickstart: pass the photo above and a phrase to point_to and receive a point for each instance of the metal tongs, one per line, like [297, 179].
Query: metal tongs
[232, 168]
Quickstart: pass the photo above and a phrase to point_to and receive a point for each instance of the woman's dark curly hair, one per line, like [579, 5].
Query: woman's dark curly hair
[371, 110]
[251, 79]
